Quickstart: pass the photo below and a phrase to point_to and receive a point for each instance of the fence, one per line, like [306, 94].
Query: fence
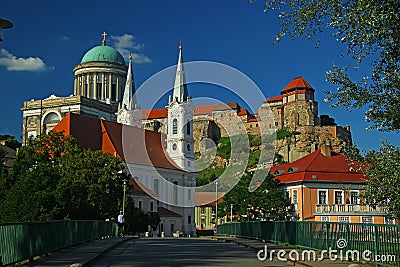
[21, 241]
[380, 239]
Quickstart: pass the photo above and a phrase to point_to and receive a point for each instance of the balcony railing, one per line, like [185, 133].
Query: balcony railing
[348, 208]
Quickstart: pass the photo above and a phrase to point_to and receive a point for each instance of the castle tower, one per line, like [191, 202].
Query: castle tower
[180, 121]
[128, 111]
[295, 107]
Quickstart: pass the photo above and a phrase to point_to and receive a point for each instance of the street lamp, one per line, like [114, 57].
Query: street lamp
[123, 198]
[231, 211]
[4, 24]
[216, 202]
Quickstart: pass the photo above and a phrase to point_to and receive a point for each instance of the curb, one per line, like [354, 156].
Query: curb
[91, 260]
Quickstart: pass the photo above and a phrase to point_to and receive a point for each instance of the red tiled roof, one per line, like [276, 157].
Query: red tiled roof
[162, 113]
[243, 112]
[140, 146]
[155, 113]
[86, 130]
[208, 198]
[164, 212]
[273, 99]
[317, 167]
[297, 82]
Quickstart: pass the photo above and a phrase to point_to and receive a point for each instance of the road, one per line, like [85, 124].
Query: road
[181, 252]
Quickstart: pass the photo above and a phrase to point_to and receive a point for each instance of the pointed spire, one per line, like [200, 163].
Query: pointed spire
[129, 99]
[180, 87]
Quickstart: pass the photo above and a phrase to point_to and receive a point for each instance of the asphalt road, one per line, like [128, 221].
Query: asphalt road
[181, 252]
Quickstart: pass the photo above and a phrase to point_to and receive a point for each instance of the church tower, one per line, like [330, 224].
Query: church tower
[180, 121]
[128, 111]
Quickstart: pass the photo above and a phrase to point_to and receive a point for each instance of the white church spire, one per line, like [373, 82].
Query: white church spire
[180, 122]
[180, 88]
[128, 111]
[129, 99]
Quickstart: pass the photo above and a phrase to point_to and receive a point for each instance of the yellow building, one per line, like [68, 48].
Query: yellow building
[323, 186]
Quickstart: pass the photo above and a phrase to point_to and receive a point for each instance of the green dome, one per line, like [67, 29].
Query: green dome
[103, 53]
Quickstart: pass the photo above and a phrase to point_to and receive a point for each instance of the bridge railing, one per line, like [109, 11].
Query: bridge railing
[379, 239]
[22, 241]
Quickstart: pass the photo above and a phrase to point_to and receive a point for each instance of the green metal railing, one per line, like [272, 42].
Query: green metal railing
[380, 239]
[21, 241]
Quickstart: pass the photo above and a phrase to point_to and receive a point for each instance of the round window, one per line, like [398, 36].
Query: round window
[174, 146]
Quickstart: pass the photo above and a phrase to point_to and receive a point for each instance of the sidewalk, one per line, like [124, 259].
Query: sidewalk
[258, 245]
[80, 255]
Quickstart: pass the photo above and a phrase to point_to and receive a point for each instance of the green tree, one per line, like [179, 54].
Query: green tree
[54, 178]
[4, 177]
[11, 141]
[371, 32]
[382, 171]
[268, 202]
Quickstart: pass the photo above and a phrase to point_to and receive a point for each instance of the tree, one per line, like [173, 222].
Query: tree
[382, 171]
[10, 141]
[54, 178]
[268, 202]
[371, 32]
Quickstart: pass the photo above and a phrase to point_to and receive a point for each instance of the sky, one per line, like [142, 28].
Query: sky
[48, 40]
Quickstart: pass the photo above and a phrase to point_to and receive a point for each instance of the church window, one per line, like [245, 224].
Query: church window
[189, 219]
[51, 118]
[189, 194]
[98, 91]
[188, 128]
[151, 206]
[175, 193]
[175, 126]
[157, 186]
[188, 147]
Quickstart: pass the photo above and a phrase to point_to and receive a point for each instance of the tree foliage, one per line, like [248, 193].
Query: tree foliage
[53, 178]
[10, 141]
[382, 170]
[268, 202]
[371, 32]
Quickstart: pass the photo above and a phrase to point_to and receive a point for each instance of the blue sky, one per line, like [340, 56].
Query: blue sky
[38, 55]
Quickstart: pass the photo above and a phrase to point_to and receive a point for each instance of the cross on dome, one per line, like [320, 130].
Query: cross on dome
[104, 38]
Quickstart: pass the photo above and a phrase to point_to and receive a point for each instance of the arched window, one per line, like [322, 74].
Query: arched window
[175, 126]
[51, 118]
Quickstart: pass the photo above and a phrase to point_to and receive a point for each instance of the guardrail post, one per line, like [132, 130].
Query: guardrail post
[310, 233]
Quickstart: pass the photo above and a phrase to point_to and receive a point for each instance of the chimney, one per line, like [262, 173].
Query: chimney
[326, 150]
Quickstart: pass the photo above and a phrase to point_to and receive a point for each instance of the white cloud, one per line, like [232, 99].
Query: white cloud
[125, 44]
[140, 58]
[13, 63]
